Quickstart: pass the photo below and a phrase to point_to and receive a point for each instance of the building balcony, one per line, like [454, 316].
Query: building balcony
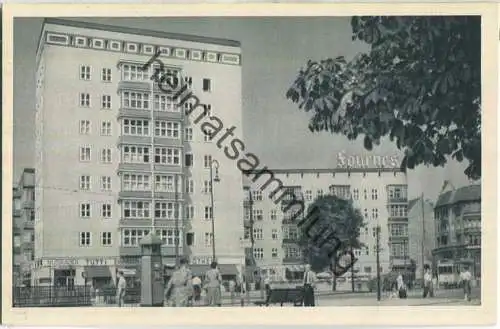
[135, 85]
[125, 112]
[29, 204]
[290, 240]
[159, 196]
[145, 140]
[146, 168]
[247, 223]
[28, 245]
[17, 212]
[166, 251]
[397, 200]
[146, 223]
[394, 238]
[400, 260]
[292, 260]
[398, 219]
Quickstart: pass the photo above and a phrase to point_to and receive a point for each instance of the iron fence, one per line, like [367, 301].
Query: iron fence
[73, 296]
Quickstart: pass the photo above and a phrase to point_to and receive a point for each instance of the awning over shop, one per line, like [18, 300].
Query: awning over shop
[295, 268]
[97, 272]
[225, 269]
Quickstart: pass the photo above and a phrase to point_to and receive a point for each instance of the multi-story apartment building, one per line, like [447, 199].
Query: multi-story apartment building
[380, 194]
[118, 156]
[421, 234]
[23, 210]
[457, 216]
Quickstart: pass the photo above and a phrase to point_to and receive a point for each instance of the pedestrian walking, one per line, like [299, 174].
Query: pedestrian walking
[427, 282]
[465, 279]
[232, 290]
[267, 285]
[180, 286]
[401, 286]
[121, 287]
[213, 282]
[197, 289]
[309, 283]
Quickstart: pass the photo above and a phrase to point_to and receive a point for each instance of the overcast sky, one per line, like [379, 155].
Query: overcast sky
[274, 49]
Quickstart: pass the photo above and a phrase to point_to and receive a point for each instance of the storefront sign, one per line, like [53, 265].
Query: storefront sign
[201, 260]
[356, 161]
[65, 262]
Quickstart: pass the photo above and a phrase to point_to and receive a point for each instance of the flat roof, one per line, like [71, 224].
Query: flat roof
[144, 32]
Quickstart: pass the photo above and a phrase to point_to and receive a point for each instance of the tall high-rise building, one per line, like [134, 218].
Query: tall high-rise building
[23, 211]
[118, 156]
[379, 193]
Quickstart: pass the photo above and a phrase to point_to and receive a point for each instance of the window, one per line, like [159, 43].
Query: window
[207, 161]
[169, 156]
[135, 154]
[274, 234]
[169, 237]
[319, 193]
[84, 72]
[246, 233]
[106, 102]
[207, 187]
[85, 154]
[135, 127]
[134, 73]
[208, 239]
[105, 183]
[188, 134]
[374, 213]
[374, 232]
[106, 75]
[106, 238]
[136, 182]
[399, 230]
[257, 195]
[189, 212]
[106, 210]
[207, 85]
[355, 194]
[164, 183]
[165, 103]
[374, 194]
[85, 239]
[258, 253]
[365, 194]
[188, 159]
[167, 129]
[165, 210]
[258, 214]
[398, 210]
[207, 136]
[106, 128]
[367, 269]
[274, 252]
[85, 210]
[399, 249]
[132, 237]
[135, 100]
[106, 155]
[366, 214]
[208, 213]
[85, 182]
[84, 127]
[273, 214]
[189, 186]
[84, 99]
[309, 195]
[258, 233]
[136, 209]
[292, 252]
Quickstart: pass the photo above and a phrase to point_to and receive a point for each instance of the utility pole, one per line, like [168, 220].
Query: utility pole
[176, 213]
[252, 260]
[378, 264]
[352, 271]
[423, 235]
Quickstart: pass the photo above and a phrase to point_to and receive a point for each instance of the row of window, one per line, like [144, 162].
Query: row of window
[86, 73]
[340, 191]
[142, 210]
[131, 237]
[162, 155]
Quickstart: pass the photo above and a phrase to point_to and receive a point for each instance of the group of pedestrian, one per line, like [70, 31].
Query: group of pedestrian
[185, 290]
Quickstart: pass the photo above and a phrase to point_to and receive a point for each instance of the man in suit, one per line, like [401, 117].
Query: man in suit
[309, 282]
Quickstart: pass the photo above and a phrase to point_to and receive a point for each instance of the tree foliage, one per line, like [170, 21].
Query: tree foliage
[334, 215]
[419, 84]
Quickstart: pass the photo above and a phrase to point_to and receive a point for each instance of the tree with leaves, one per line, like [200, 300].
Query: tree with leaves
[330, 216]
[419, 84]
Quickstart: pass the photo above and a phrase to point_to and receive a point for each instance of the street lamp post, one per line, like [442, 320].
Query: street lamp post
[378, 264]
[213, 163]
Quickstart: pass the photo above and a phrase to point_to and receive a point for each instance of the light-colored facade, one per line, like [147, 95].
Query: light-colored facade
[116, 156]
[421, 231]
[23, 211]
[380, 194]
[457, 216]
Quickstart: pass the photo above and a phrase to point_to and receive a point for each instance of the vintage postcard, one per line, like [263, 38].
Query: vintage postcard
[249, 164]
